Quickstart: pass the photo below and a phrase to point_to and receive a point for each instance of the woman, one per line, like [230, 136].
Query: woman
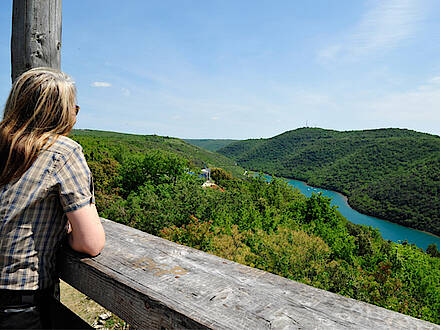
[45, 188]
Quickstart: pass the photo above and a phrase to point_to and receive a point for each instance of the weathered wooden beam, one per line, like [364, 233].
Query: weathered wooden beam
[153, 283]
[36, 35]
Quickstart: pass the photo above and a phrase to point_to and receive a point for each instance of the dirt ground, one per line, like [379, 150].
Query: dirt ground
[91, 312]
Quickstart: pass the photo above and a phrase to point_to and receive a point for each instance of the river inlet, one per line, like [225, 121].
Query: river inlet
[389, 230]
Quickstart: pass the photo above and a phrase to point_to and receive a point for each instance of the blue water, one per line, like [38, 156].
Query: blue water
[389, 230]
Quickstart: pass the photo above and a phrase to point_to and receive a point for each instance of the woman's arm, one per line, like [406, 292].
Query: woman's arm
[87, 234]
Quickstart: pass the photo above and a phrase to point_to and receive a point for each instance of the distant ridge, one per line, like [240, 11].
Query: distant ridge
[389, 173]
[210, 144]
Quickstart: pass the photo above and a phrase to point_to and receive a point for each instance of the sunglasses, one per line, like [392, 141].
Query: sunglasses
[76, 109]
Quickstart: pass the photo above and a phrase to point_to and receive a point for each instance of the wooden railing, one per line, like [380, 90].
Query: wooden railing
[153, 283]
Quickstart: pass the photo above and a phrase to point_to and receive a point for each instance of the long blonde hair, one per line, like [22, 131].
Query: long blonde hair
[41, 105]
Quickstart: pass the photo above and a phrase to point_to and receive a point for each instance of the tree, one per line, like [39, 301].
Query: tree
[433, 251]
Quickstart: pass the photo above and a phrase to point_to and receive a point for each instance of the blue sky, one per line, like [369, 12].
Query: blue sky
[248, 69]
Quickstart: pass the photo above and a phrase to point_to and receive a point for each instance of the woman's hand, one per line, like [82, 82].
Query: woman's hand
[86, 233]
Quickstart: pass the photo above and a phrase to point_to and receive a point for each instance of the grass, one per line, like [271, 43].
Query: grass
[89, 310]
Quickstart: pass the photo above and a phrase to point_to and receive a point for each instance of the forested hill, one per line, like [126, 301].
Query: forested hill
[144, 182]
[119, 143]
[210, 144]
[389, 173]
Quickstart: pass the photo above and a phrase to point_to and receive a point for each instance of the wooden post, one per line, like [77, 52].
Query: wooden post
[36, 35]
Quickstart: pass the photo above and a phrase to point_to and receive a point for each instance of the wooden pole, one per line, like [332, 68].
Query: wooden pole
[36, 35]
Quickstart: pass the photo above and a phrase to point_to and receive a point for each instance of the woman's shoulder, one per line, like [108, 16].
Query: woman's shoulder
[63, 145]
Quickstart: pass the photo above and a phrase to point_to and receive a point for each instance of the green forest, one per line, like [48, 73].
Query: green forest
[210, 144]
[116, 144]
[392, 174]
[151, 183]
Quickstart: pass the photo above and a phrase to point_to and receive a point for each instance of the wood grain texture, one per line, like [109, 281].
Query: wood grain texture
[154, 283]
[36, 35]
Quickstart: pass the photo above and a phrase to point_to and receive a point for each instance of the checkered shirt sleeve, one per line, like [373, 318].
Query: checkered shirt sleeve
[75, 182]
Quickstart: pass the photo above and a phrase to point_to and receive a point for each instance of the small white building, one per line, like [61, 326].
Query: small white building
[206, 172]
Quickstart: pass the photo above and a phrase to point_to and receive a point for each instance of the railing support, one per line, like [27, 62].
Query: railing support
[153, 283]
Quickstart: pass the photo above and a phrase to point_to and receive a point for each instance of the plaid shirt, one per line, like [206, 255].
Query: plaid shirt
[32, 214]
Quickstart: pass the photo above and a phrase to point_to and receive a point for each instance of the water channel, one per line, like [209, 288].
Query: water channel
[389, 230]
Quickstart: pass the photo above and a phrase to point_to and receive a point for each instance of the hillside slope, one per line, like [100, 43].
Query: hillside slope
[140, 143]
[210, 144]
[389, 173]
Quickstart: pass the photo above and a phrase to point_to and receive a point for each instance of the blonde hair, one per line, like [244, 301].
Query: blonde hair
[41, 105]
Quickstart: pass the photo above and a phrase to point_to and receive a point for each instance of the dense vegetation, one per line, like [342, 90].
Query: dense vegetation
[115, 145]
[210, 144]
[260, 224]
[388, 173]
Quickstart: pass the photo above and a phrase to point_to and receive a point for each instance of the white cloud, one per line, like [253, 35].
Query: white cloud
[329, 53]
[386, 25]
[419, 105]
[435, 80]
[100, 84]
[431, 85]
[125, 92]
